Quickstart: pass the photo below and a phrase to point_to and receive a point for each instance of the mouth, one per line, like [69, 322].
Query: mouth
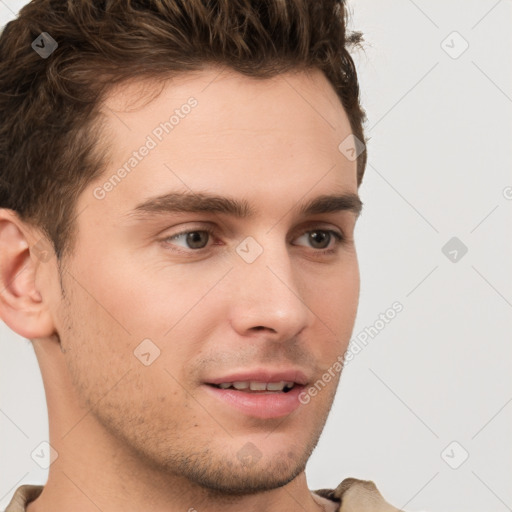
[258, 387]
[259, 394]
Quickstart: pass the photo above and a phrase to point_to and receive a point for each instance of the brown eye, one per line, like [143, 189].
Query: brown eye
[194, 239]
[318, 239]
[321, 238]
[197, 239]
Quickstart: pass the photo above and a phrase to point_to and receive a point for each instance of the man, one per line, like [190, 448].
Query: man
[178, 193]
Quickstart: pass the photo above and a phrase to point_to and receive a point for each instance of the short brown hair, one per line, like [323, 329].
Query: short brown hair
[49, 144]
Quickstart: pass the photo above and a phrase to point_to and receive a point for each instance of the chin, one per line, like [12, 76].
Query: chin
[246, 470]
[236, 481]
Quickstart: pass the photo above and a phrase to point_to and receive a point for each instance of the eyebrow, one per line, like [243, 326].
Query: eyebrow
[190, 202]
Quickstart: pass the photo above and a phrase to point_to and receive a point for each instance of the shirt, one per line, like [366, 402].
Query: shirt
[353, 495]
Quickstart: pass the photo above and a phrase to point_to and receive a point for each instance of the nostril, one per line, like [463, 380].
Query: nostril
[262, 327]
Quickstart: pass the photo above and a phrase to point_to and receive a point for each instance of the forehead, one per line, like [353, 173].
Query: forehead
[242, 108]
[219, 130]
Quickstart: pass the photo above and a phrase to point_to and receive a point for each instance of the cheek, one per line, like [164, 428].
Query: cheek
[97, 343]
[109, 378]
[335, 304]
[150, 296]
[97, 348]
[345, 300]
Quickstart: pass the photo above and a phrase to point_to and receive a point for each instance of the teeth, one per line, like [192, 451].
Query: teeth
[258, 386]
[276, 386]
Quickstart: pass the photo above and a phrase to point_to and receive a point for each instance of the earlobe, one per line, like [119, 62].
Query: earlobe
[22, 306]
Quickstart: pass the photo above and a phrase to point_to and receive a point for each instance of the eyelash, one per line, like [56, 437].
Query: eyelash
[339, 239]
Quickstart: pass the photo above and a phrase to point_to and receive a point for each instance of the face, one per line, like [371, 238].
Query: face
[202, 287]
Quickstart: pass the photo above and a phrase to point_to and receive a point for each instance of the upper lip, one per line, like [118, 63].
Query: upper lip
[263, 375]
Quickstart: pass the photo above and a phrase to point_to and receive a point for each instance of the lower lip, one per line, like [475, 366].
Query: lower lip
[259, 404]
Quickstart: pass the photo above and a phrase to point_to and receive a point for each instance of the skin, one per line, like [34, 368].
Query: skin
[131, 437]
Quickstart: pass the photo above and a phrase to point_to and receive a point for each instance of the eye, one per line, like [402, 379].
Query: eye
[321, 238]
[195, 239]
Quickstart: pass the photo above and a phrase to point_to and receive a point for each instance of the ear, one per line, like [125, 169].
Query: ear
[22, 306]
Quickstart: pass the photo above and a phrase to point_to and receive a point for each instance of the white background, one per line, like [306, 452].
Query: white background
[440, 372]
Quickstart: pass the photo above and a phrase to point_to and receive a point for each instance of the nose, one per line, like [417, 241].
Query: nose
[266, 299]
